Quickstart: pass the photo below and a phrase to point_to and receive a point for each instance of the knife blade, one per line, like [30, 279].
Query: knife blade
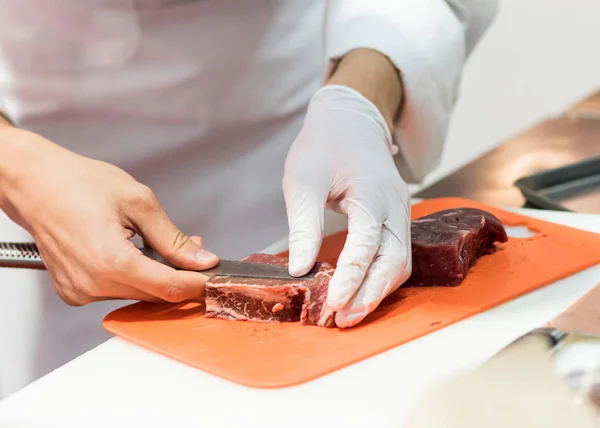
[521, 386]
[236, 268]
[574, 330]
[27, 255]
[579, 323]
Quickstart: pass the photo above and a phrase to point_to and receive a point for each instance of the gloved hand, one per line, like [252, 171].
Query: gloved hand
[342, 160]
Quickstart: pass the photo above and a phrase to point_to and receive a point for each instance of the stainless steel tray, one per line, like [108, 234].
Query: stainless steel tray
[574, 187]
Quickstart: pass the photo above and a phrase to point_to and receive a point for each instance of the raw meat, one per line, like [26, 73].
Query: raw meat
[444, 246]
[447, 243]
[270, 300]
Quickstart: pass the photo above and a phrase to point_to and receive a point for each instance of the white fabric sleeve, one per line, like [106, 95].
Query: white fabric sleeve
[428, 41]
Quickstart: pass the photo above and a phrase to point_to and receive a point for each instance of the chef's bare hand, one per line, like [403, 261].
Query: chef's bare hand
[82, 214]
[342, 160]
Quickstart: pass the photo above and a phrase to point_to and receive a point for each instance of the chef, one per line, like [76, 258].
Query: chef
[212, 128]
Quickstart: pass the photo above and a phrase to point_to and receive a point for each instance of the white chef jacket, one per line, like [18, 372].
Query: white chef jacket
[201, 100]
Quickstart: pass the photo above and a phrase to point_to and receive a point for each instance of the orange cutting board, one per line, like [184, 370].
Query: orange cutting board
[280, 355]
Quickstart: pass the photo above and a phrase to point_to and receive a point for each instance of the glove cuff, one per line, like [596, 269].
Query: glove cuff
[341, 97]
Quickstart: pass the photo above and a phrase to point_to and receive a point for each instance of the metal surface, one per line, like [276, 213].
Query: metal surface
[550, 144]
[27, 255]
[251, 270]
[579, 323]
[551, 337]
[573, 187]
[237, 268]
[20, 255]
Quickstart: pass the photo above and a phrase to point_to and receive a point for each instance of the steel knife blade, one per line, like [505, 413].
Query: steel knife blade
[26, 255]
[251, 270]
[579, 323]
[237, 268]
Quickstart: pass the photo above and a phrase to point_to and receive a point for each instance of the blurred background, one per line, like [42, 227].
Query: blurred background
[531, 84]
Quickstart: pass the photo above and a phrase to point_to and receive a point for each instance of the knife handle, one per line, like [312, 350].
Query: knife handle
[20, 255]
[27, 255]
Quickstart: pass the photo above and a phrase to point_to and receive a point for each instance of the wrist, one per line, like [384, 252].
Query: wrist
[9, 153]
[374, 76]
[346, 100]
[19, 150]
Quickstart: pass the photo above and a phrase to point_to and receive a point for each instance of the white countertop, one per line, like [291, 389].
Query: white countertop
[120, 384]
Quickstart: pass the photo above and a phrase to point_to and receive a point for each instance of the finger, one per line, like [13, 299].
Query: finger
[362, 242]
[159, 280]
[118, 291]
[61, 280]
[157, 230]
[305, 210]
[387, 272]
[74, 292]
[195, 239]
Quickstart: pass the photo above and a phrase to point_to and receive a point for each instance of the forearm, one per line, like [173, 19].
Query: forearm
[375, 77]
[19, 151]
[24, 155]
[7, 158]
[5, 125]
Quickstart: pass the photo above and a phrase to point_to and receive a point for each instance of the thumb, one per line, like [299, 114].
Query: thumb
[159, 232]
[305, 210]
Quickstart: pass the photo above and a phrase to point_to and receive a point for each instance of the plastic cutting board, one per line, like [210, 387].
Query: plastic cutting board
[280, 355]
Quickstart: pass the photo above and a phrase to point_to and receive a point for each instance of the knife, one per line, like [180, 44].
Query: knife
[521, 386]
[27, 255]
[579, 323]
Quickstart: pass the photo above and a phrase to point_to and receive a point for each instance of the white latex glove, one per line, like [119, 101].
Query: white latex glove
[342, 160]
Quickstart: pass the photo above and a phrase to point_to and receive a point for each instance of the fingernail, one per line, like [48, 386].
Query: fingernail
[205, 256]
